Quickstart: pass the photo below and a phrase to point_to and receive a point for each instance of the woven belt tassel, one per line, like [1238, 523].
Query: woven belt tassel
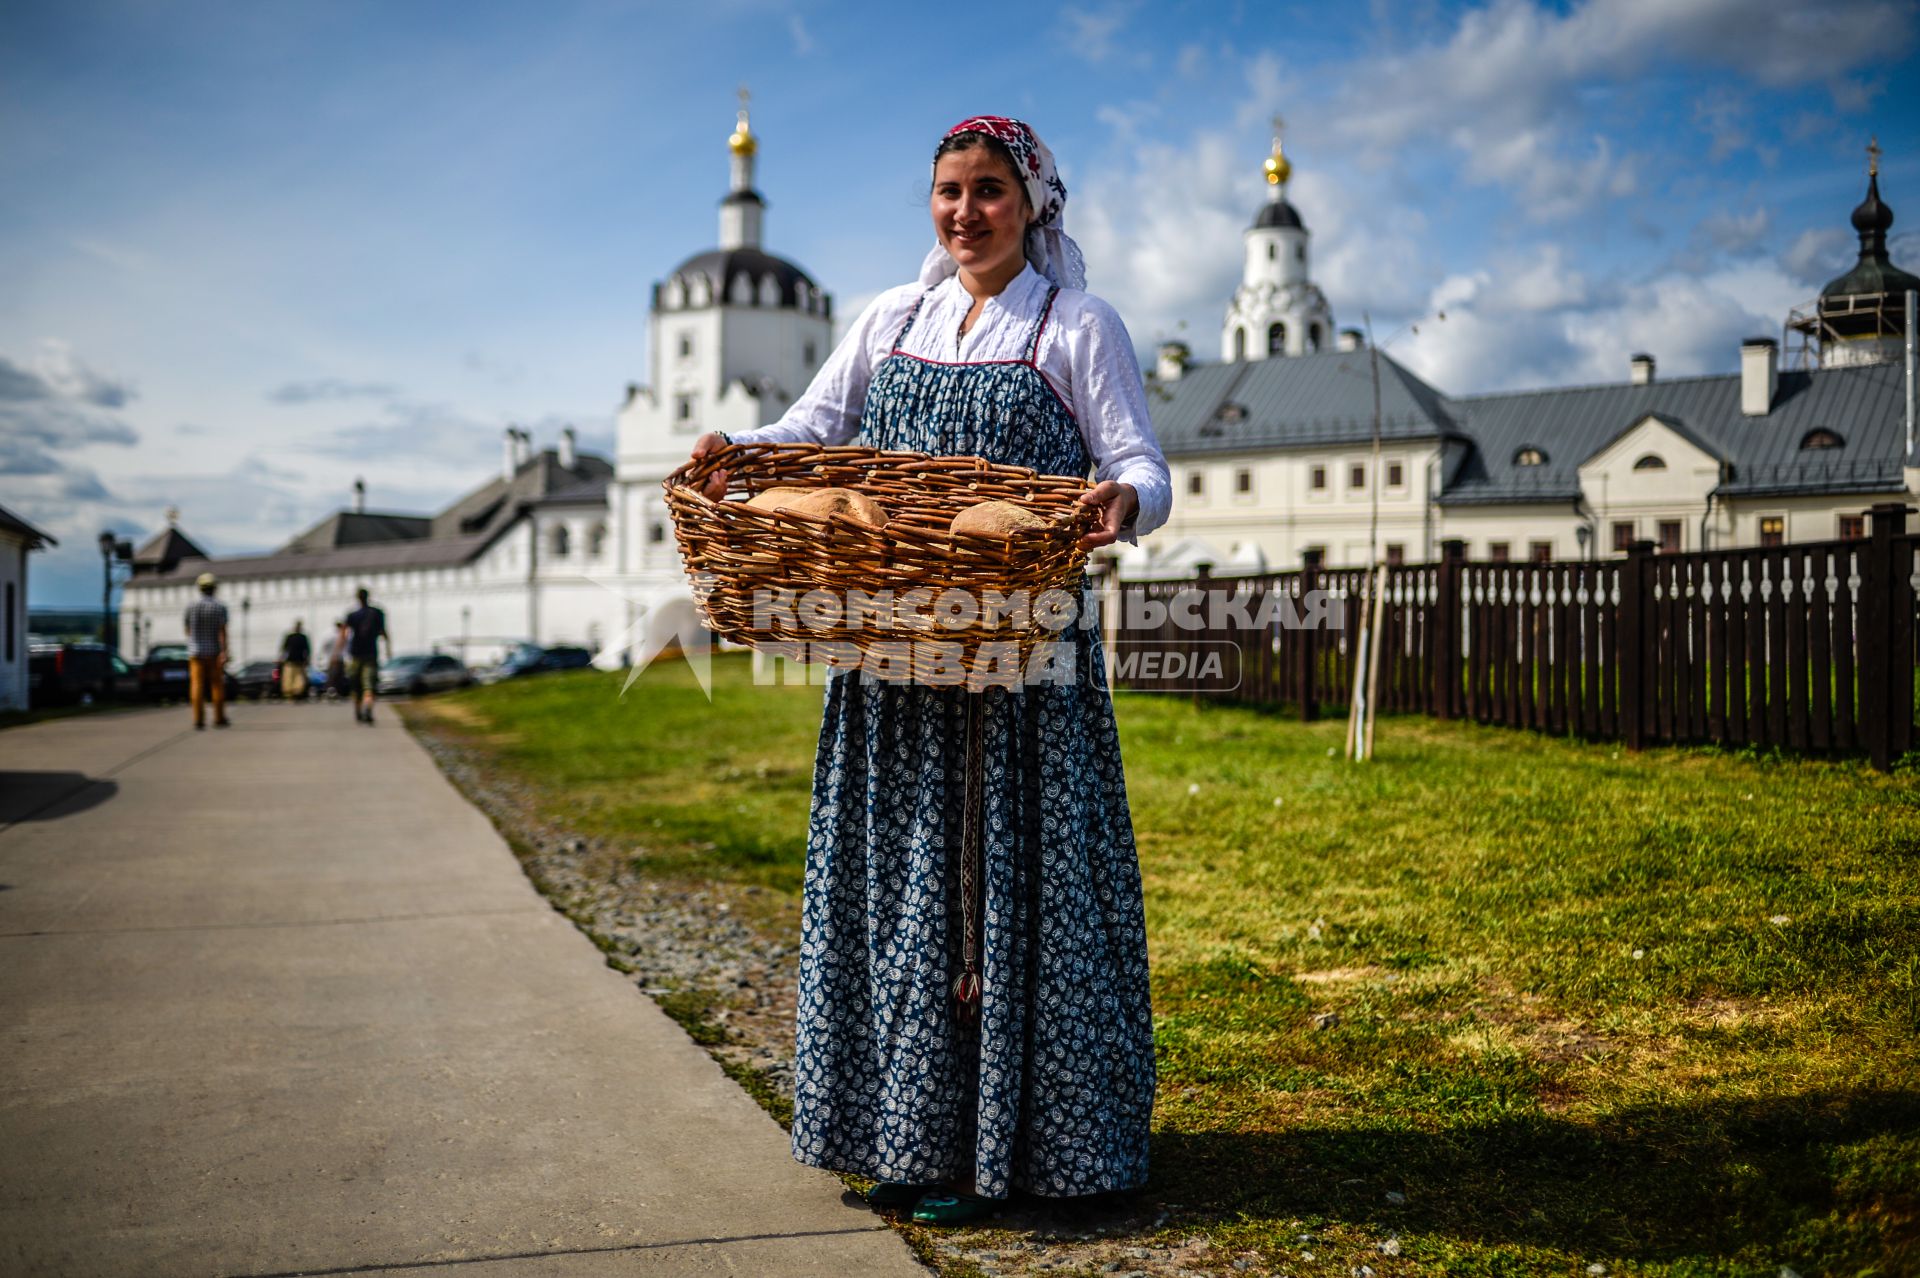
[966, 987]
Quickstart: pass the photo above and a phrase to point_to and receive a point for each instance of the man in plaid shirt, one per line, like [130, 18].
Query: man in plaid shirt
[207, 653]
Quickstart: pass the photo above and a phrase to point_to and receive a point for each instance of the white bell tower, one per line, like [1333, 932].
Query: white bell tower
[1277, 310]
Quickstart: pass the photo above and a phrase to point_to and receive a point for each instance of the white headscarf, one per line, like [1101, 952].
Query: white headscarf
[1049, 247]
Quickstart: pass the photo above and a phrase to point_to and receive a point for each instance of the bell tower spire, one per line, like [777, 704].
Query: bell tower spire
[1277, 310]
[743, 210]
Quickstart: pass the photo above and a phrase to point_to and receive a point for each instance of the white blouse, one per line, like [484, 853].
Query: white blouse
[1084, 353]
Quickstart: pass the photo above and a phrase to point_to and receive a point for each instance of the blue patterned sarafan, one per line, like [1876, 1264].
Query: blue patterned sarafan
[1051, 1090]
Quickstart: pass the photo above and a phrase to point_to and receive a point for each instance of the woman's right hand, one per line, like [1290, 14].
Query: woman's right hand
[716, 485]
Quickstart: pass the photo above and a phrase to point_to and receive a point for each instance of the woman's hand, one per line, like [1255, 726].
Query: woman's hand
[1116, 503]
[716, 485]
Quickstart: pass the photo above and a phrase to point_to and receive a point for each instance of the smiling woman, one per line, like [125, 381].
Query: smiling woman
[973, 1008]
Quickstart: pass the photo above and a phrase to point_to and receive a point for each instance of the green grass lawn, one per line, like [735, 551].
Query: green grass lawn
[1654, 1011]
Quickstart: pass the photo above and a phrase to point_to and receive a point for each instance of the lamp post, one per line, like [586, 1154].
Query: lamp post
[246, 606]
[111, 548]
[1583, 535]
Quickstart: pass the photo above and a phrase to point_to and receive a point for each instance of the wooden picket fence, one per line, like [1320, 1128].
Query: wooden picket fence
[1805, 647]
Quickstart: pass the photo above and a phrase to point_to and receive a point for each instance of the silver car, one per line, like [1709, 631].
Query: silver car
[415, 673]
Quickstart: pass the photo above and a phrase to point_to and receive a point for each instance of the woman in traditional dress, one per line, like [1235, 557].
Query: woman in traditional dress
[973, 1005]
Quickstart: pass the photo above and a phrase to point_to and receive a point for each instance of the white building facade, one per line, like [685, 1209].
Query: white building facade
[18, 540]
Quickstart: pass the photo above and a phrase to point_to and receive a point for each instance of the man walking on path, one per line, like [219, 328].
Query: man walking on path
[296, 650]
[207, 653]
[366, 631]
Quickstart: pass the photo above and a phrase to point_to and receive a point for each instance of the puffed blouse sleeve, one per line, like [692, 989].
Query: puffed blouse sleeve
[1110, 400]
[829, 412]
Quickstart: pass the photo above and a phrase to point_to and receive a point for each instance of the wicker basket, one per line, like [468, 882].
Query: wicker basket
[775, 579]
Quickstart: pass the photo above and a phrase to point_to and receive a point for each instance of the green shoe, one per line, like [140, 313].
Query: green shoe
[892, 1193]
[947, 1208]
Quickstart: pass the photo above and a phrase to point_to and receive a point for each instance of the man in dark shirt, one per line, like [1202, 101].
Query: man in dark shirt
[366, 631]
[296, 650]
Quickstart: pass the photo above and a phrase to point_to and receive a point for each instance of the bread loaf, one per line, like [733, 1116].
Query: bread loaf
[823, 503]
[996, 519]
[774, 498]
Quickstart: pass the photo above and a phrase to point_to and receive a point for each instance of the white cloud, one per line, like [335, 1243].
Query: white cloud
[330, 388]
[1737, 233]
[1530, 321]
[1161, 234]
[797, 29]
[1506, 87]
[1093, 33]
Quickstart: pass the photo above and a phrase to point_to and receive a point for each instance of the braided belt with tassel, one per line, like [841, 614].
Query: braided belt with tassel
[966, 987]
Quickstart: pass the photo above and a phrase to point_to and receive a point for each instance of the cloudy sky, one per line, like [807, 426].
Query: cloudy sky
[248, 252]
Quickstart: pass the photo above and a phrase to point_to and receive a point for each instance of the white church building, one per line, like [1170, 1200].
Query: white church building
[559, 546]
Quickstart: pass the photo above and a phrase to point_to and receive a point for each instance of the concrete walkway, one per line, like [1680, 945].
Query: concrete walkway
[276, 1000]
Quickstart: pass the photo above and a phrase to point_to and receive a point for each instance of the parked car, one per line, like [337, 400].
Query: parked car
[164, 676]
[422, 672]
[257, 679]
[60, 674]
[530, 659]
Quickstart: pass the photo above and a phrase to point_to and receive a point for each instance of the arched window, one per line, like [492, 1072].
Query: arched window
[1277, 339]
[1273, 251]
[597, 540]
[1652, 461]
[1239, 343]
[1314, 337]
[1821, 437]
[559, 541]
[1529, 457]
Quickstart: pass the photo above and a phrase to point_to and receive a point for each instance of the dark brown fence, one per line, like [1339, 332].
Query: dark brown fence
[1808, 647]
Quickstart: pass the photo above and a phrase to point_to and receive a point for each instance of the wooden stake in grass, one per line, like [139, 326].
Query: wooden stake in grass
[1366, 666]
[1373, 659]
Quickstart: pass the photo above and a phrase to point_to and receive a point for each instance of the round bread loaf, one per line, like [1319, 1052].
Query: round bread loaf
[996, 519]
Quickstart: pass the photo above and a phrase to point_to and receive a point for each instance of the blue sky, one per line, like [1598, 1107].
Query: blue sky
[248, 252]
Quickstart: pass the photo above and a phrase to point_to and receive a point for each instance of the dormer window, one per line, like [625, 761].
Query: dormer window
[1652, 461]
[1821, 437]
[1529, 457]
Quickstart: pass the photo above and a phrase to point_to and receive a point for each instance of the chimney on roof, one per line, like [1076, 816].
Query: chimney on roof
[569, 449]
[509, 448]
[522, 448]
[1641, 368]
[1173, 361]
[359, 496]
[1352, 339]
[1759, 375]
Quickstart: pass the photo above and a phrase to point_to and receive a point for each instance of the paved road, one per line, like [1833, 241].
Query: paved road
[276, 1000]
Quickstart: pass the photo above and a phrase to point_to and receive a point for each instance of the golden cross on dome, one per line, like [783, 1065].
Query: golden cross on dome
[1873, 157]
[744, 98]
[1279, 128]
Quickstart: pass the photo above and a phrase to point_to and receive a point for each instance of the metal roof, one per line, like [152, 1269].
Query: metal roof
[341, 544]
[1326, 399]
[1298, 401]
[11, 522]
[1861, 405]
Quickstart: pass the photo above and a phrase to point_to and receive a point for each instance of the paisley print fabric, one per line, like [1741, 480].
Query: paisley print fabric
[1051, 1091]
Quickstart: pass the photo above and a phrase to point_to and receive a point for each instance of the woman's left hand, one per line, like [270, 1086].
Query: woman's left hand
[1116, 503]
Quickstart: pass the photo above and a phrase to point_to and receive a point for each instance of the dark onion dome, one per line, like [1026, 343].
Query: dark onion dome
[722, 267]
[1874, 275]
[1280, 214]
